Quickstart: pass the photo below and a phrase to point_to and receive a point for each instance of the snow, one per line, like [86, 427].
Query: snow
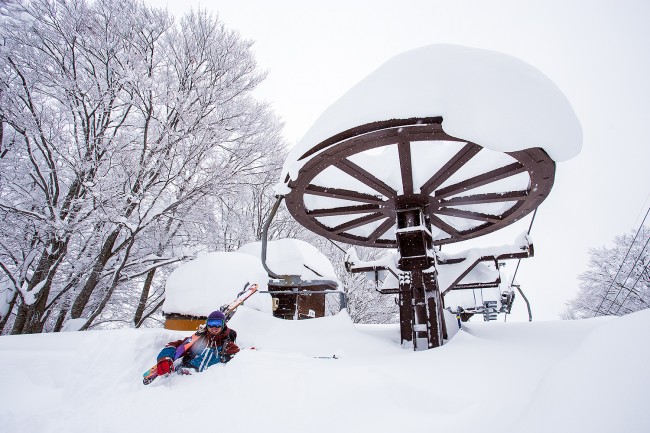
[293, 257]
[6, 293]
[202, 285]
[563, 376]
[489, 98]
[448, 274]
[72, 325]
[29, 296]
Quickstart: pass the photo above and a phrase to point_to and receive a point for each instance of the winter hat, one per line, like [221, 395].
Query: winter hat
[217, 315]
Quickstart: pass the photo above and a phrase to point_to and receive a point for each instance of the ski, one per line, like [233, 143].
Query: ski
[152, 373]
[227, 309]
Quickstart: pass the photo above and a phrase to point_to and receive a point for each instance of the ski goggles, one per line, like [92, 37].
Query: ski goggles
[215, 323]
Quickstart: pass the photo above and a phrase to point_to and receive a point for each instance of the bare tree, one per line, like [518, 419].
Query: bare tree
[119, 127]
[618, 279]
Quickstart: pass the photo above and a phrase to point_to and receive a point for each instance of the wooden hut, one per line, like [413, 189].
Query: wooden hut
[308, 278]
[201, 286]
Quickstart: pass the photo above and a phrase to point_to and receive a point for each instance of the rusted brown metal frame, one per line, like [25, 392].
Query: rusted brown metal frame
[468, 215]
[534, 161]
[379, 231]
[343, 194]
[420, 301]
[452, 166]
[442, 262]
[358, 222]
[470, 286]
[453, 286]
[406, 167]
[344, 210]
[363, 176]
[480, 180]
[405, 303]
[485, 198]
[367, 128]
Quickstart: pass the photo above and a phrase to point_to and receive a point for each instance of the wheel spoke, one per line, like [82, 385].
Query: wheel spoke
[485, 198]
[357, 222]
[383, 228]
[482, 179]
[452, 166]
[345, 210]
[365, 177]
[343, 194]
[468, 215]
[461, 202]
[404, 151]
[437, 222]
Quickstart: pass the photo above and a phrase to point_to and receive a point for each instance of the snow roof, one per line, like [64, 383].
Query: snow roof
[293, 257]
[204, 284]
[489, 98]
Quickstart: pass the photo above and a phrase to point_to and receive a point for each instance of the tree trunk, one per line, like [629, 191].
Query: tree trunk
[95, 275]
[5, 319]
[28, 320]
[143, 297]
[59, 321]
[114, 282]
[151, 312]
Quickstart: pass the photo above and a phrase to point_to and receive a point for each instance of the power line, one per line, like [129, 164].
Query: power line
[633, 286]
[622, 263]
[642, 207]
[628, 275]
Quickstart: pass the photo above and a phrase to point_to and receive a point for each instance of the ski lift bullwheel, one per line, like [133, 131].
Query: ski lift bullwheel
[351, 184]
[407, 184]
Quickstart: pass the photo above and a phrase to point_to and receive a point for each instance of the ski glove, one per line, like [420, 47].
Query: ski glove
[231, 348]
[165, 365]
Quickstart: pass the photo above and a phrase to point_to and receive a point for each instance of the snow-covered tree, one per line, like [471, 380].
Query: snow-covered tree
[618, 279]
[121, 130]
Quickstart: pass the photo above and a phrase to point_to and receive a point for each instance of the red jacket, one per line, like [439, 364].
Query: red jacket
[225, 340]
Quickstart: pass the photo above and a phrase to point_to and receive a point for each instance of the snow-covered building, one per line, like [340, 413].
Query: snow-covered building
[202, 285]
[308, 277]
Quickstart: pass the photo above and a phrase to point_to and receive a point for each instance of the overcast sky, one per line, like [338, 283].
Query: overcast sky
[596, 52]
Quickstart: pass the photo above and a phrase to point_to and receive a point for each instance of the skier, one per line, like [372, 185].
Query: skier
[214, 342]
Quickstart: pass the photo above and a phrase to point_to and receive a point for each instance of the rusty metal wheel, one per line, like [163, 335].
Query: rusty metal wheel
[351, 184]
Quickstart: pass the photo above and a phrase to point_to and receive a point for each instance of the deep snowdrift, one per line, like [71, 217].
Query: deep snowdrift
[589, 375]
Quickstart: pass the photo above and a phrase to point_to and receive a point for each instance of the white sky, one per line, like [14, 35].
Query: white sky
[595, 52]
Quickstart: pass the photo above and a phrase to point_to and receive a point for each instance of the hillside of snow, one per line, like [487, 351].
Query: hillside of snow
[564, 376]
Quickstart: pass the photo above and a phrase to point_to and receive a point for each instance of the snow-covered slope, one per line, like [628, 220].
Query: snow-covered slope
[570, 376]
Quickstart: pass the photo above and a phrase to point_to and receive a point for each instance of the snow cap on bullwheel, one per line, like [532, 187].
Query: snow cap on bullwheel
[468, 136]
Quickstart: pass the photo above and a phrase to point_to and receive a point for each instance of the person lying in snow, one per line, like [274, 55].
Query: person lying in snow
[214, 343]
